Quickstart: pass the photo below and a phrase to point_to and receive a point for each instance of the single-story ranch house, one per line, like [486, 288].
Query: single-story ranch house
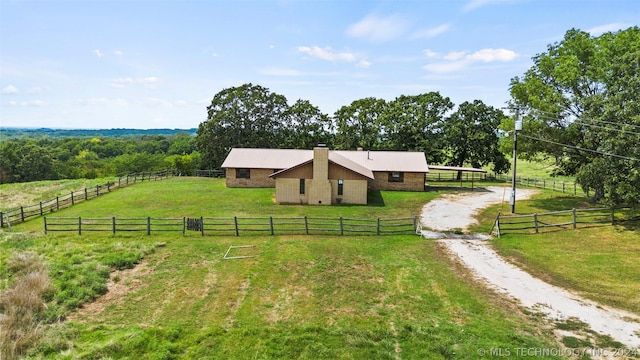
[322, 176]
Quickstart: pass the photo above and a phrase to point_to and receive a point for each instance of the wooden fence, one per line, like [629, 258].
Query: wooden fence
[566, 187]
[235, 226]
[24, 213]
[218, 173]
[566, 219]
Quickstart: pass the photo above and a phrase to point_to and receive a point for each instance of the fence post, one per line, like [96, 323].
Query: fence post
[86, 194]
[184, 225]
[341, 227]
[201, 226]
[73, 202]
[113, 222]
[306, 225]
[45, 225]
[271, 224]
[79, 225]
[575, 189]
[1, 219]
[535, 222]
[574, 219]
[108, 186]
[57, 203]
[415, 224]
[22, 213]
[148, 225]
[235, 223]
[563, 187]
[40, 208]
[97, 190]
[378, 227]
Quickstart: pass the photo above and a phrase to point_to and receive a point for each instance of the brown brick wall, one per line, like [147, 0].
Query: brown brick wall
[412, 182]
[259, 179]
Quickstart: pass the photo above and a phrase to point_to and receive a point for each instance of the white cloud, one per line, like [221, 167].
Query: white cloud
[378, 29]
[33, 103]
[430, 54]
[599, 30]
[98, 53]
[431, 32]
[458, 60]
[150, 82]
[10, 90]
[454, 55]
[13, 103]
[491, 55]
[327, 54]
[363, 64]
[117, 53]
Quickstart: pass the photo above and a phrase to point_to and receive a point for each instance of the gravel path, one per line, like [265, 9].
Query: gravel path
[456, 211]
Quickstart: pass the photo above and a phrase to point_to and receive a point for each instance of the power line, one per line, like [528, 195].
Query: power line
[610, 129]
[552, 116]
[580, 148]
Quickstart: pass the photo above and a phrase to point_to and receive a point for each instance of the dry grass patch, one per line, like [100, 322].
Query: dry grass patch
[22, 305]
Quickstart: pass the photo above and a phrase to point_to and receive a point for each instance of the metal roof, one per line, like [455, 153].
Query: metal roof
[388, 160]
[455, 168]
[362, 162]
[266, 158]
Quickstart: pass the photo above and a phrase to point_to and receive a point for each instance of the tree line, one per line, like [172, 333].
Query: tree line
[27, 159]
[251, 116]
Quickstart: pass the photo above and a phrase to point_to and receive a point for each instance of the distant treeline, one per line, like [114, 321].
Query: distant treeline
[57, 157]
[21, 133]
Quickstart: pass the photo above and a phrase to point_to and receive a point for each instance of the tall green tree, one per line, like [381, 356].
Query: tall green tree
[247, 116]
[360, 125]
[306, 126]
[471, 136]
[414, 123]
[581, 104]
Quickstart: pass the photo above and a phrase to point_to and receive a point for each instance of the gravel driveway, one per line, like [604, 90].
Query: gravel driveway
[456, 211]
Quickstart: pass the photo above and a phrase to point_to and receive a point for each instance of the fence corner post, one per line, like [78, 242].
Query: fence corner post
[535, 222]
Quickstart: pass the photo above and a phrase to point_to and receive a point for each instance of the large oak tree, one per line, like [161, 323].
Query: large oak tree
[581, 101]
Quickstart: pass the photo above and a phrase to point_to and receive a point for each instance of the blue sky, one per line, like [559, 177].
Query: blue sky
[158, 63]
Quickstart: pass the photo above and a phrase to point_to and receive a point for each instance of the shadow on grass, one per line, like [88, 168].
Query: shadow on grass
[374, 198]
[563, 203]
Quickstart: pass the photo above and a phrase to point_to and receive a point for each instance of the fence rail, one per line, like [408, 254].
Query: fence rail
[566, 187]
[235, 226]
[24, 213]
[565, 219]
[217, 173]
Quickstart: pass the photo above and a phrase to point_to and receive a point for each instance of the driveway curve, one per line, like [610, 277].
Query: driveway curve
[457, 211]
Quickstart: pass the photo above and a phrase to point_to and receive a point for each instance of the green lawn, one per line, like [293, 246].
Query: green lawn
[298, 297]
[599, 262]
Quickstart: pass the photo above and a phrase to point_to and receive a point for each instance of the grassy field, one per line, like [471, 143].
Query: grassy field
[600, 262]
[298, 297]
[23, 194]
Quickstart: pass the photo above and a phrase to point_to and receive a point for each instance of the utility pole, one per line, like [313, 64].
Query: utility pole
[518, 126]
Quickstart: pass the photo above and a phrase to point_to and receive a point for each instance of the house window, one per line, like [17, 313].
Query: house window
[243, 173]
[340, 187]
[396, 176]
[301, 186]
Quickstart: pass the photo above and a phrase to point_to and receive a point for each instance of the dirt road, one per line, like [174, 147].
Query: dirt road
[456, 211]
